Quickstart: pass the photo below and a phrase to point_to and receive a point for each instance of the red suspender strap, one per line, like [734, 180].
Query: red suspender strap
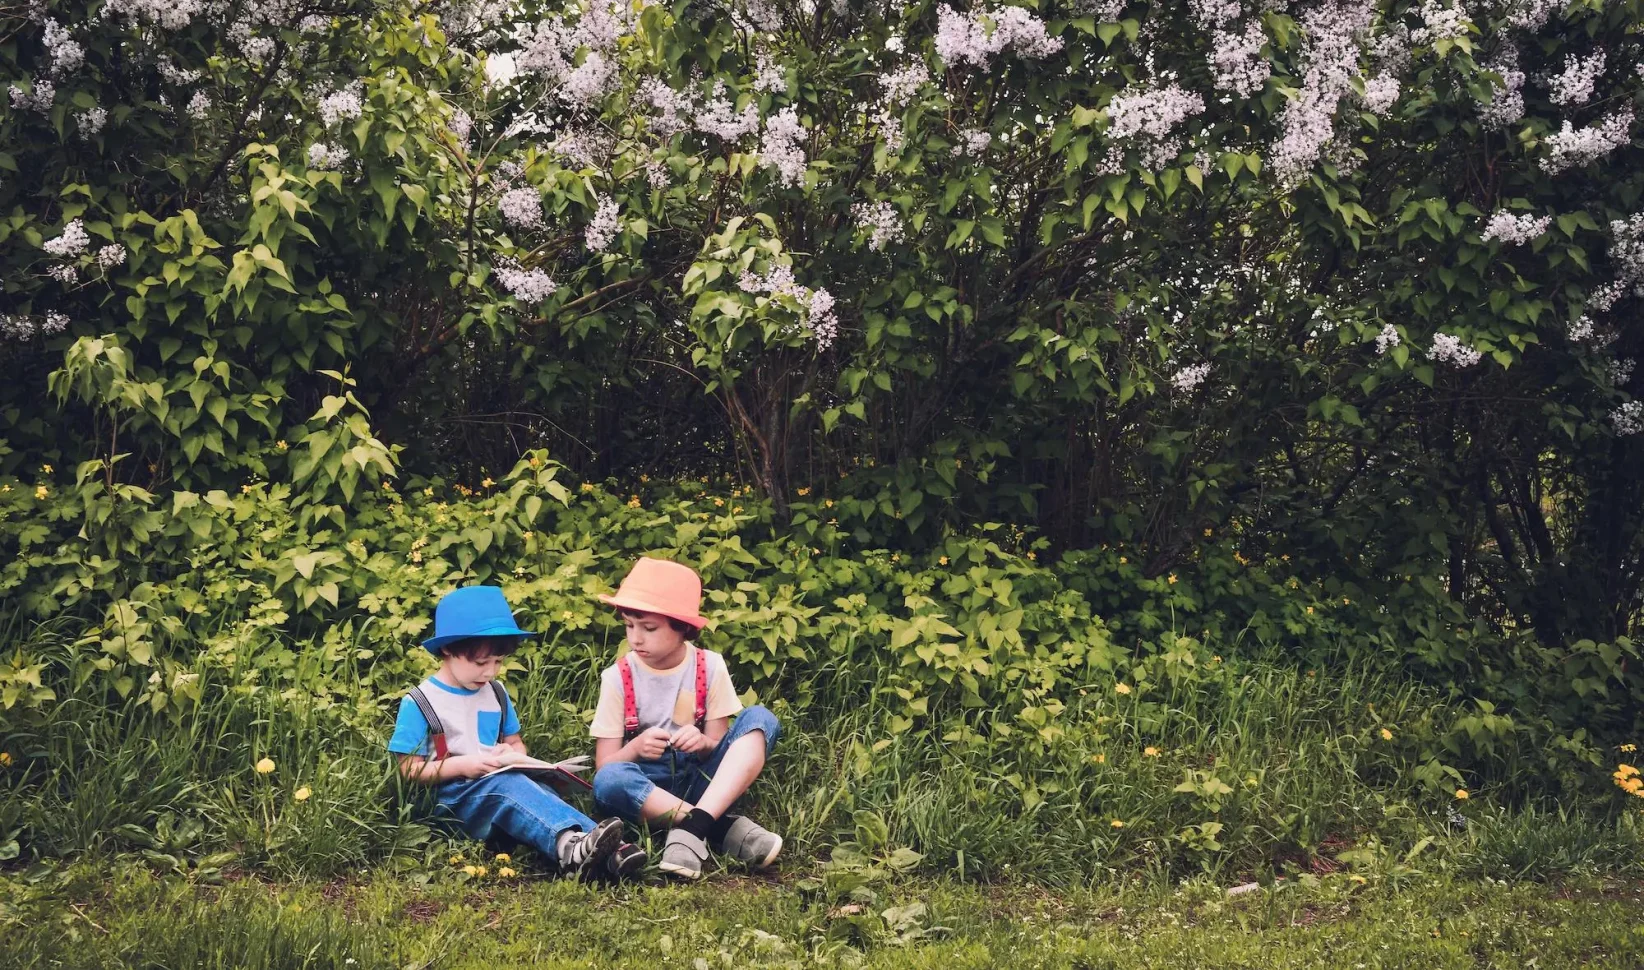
[701, 690]
[630, 711]
[436, 729]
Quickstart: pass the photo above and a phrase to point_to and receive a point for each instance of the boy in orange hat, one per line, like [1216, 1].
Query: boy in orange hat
[665, 748]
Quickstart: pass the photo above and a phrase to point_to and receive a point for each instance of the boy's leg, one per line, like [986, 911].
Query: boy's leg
[736, 762]
[634, 790]
[530, 813]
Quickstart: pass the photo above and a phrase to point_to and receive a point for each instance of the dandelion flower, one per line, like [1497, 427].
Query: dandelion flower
[1117, 824]
[506, 873]
[265, 766]
[1386, 734]
[1150, 751]
[481, 870]
[456, 860]
[301, 794]
[1100, 759]
[1121, 688]
[503, 857]
[5, 759]
[470, 870]
[1462, 795]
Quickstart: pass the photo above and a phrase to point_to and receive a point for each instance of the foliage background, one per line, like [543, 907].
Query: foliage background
[1090, 403]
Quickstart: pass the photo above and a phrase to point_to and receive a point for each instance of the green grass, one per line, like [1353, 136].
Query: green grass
[86, 917]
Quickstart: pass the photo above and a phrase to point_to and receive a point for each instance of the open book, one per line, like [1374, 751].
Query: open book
[555, 773]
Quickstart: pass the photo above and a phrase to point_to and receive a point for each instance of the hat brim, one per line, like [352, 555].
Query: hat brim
[434, 644]
[645, 606]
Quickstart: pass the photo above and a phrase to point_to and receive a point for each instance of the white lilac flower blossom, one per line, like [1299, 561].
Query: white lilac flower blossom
[1583, 331]
[344, 104]
[199, 106]
[769, 77]
[603, 228]
[1507, 104]
[175, 75]
[972, 141]
[16, 327]
[1532, 15]
[782, 146]
[900, 87]
[529, 286]
[461, 125]
[39, 98]
[673, 109]
[521, 208]
[1449, 349]
[976, 37]
[1236, 60]
[586, 147]
[1146, 119]
[1627, 247]
[1575, 85]
[72, 242]
[590, 81]
[1440, 22]
[881, 220]
[817, 306]
[1380, 93]
[166, 14]
[1628, 418]
[550, 48]
[89, 123]
[1515, 230]
[66, 54]
[1331, 53]
[718, 116]
[1188, 379]
[1387, 339]
[1570, 147]
[324, 155]
[1103, 11]
[1620, 371]
[656, 173]
[65, 273]
[1603, 297]
[111, 256]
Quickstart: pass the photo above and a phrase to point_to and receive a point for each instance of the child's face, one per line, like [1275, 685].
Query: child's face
[474, 671]
[654, 640]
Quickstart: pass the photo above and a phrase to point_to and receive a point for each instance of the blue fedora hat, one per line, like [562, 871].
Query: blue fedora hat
[472, 611]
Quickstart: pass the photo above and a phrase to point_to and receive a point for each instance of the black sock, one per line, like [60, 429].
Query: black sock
[698, 823]
[716, 834]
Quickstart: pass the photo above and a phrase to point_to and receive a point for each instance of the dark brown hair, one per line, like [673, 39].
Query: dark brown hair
[471, 647]
[680, 626]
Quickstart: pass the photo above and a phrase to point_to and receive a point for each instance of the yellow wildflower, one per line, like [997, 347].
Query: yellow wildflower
[1355, 878]
[736, 509]
[1346, 602]
[567, 615]
[633, 502]
[487, 483]
[1386, 735]
[1121, 688]
[802, 492]
[1207, 533]
[301, 794]
[1629, 747]
[504, 857]
[1309, 611]
[719, 503]
[1172, 579]
[1216, 659]
[1100, 759]
[506, 873]
[40, 492]
[827, 503]
[481, 870]
[1032, 555]
[1150, 751]
[281, 445]
[1117, 824]
[1123, 560]
[416, 556]
[265, 766]
[1462, 795]
[428, 492]
[1240, 559]
[46, 469]
[942, 560]
[5, 759]
[456, 859]
[245, 489]
[470, 869]
[587, 486]
[535, 462]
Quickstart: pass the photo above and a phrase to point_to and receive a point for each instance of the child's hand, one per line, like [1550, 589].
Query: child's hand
[473, 765]
[691, 741]
[650, 744]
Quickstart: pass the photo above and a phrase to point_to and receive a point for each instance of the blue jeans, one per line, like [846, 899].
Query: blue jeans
[514, 805]
[621, 787]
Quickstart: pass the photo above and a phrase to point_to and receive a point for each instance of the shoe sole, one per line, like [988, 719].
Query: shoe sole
[630, 866]
[679, 871]
[607, 836]
[770, 856]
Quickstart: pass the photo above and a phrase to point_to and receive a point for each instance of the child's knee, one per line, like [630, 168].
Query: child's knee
[621, 787]
[760, 718]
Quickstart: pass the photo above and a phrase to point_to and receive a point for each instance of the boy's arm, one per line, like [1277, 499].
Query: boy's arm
[429, 771]
[649, 745]
[516, 742]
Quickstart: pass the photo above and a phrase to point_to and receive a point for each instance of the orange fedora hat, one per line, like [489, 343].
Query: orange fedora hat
[658, 586]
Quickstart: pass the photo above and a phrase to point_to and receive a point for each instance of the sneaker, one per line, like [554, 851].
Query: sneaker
[586, 852]
[626, 862]
[748, 842]
[683, 855]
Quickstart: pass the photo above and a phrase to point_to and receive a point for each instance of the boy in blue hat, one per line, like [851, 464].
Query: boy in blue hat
[459, 725]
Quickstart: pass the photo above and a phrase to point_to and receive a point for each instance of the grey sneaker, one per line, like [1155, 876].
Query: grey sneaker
[586, 853]
[747, 841]
[683, 855]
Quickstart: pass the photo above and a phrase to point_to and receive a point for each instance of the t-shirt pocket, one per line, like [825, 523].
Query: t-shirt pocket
[488, 724]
